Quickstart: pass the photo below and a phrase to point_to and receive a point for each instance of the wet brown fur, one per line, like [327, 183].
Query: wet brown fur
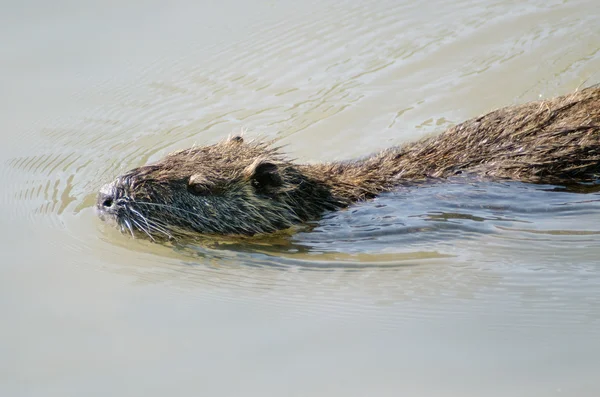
[238, 187]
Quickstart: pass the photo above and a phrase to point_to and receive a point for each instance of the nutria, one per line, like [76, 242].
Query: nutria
[245, 188]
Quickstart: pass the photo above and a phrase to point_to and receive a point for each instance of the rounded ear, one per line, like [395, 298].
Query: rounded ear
[236, 139]
[264, 174]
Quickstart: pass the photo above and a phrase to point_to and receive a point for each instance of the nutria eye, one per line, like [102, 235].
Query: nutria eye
[198, 189]
[199, 186]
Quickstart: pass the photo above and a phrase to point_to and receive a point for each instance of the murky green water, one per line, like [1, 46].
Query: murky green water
[457, 289]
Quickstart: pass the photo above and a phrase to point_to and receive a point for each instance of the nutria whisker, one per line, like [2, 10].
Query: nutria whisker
[128, 224]
[247, 188]
[157, 226]
[139, 215]
[141, 228]
[167, 206]
[150, 225]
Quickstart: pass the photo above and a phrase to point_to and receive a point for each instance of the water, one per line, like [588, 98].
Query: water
[462, 288]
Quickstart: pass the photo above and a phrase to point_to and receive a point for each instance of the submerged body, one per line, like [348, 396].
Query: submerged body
[245, 188]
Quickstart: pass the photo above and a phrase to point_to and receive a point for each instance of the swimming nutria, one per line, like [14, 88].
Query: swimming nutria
[245, 188]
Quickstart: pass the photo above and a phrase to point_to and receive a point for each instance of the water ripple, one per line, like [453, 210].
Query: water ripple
[359, 74]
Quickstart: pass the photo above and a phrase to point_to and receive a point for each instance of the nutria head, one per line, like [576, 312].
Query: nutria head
[233, 187]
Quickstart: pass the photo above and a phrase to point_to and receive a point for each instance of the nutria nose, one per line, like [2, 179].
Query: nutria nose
[106, 198]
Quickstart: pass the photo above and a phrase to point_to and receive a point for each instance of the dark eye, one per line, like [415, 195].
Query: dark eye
[199, 186]
[199, 189]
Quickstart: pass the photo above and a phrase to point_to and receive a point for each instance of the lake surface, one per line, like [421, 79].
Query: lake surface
[462, 288]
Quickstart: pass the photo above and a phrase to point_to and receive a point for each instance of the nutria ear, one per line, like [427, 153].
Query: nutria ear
[263, 174]
[236, 139]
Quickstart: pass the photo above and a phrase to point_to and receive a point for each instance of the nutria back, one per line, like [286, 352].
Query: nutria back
[245, 188]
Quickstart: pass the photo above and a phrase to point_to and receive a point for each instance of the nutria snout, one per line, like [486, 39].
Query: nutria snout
[246, 188]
